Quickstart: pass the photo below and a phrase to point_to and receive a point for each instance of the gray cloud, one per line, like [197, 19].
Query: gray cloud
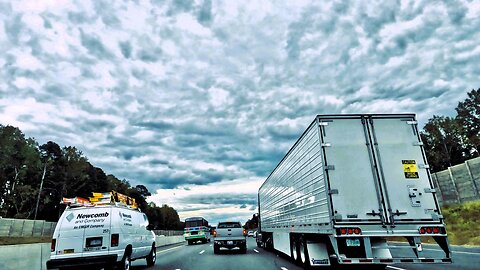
[171, 93]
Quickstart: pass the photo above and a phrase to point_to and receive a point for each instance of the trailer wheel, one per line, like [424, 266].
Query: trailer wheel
[294, 249]
[304, 256]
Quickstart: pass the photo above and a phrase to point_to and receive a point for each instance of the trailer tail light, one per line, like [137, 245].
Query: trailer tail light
[114, 242]
[349, 231]
[52, 246]
[431, 230]
[244, 232]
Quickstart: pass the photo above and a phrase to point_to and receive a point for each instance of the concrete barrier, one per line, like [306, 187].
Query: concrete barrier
[28, 256]
[35, 256]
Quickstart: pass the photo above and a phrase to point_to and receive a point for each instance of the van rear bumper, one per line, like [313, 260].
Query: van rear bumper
[82, 262]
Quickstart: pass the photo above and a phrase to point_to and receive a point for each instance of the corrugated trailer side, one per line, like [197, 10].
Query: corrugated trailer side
[294, 197]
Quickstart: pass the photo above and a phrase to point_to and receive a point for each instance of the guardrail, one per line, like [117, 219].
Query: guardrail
[24, 227]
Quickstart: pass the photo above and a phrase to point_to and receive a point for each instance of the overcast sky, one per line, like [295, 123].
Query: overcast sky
[199, 100]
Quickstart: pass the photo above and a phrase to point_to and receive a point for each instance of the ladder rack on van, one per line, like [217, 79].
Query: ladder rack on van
[107, 198]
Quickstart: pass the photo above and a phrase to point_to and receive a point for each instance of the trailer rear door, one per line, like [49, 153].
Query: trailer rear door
[402, 167]
[351, 174]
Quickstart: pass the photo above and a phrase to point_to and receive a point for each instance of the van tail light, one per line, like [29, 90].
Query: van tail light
[114, 242]
[52, 246]
[244, 232]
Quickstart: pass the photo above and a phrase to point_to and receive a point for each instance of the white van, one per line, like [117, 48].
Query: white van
[101, 236]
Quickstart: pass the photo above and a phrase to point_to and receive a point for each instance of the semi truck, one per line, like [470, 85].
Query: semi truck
[353, 190]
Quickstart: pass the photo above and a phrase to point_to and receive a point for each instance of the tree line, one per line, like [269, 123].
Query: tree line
[450, 141]
[66, 173]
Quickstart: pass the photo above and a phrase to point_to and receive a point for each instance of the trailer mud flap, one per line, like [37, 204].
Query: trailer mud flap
[318, 254]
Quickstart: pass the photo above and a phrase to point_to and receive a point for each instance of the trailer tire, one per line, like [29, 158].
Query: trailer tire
[304, 256]
[294, 249]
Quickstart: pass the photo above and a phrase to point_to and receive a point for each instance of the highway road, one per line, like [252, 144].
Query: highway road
[200, 256]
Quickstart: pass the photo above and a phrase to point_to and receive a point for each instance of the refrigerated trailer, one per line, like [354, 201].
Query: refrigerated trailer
[348, 189]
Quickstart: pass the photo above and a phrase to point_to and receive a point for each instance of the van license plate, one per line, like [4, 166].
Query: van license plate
[229, 242]
[67, 251]
[353, 242]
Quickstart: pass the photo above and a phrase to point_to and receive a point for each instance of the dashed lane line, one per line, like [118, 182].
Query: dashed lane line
[395, 268]
[165, 250]
[283, 268]
[201, 252]
[211, 245]
[256, 250]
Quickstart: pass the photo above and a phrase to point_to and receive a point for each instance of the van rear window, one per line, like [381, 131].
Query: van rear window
[224, 225]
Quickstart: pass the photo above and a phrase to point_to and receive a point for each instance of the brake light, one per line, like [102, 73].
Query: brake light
[52, 246]
[215, 233]
[244, 232]
[114, 241]
[349, 231]
[431, 230]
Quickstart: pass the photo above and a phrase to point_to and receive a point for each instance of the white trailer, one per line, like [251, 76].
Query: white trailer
[349, 185]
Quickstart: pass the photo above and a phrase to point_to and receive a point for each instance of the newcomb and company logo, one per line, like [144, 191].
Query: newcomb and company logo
[70, 217]
[96, 215]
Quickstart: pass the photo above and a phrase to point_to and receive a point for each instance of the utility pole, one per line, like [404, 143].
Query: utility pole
[40, 191]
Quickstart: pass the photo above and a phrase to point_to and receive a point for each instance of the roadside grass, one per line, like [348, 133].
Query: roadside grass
[23, 240]
[463, 223]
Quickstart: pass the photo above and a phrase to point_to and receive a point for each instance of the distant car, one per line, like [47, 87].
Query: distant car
[251, 234]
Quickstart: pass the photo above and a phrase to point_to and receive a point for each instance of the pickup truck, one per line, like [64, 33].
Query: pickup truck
[229, 235]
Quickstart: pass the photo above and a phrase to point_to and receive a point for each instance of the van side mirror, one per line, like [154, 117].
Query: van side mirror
[150, 227]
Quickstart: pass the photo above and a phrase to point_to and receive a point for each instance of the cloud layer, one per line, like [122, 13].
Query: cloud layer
[182, 94]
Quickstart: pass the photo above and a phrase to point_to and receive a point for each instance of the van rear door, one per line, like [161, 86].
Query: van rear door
[97, 230]
[70, 235]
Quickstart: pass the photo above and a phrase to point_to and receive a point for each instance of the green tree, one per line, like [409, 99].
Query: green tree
[468, 116]
[18, 171]
[441, 136]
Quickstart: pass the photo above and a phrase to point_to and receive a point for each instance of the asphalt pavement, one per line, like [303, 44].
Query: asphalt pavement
[200, 256]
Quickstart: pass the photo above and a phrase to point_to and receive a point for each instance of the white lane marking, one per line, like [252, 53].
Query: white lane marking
[283, 268]
[395, 268]
[165, 250]
[201, 252]
[439, 250]
[211, 245]
[453, 251]
[256, 250]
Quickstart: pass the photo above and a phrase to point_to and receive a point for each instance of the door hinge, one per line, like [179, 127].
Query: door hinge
[411, 122]
[330, 167]
[423, 166]
[333, 191]
[417, 143]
